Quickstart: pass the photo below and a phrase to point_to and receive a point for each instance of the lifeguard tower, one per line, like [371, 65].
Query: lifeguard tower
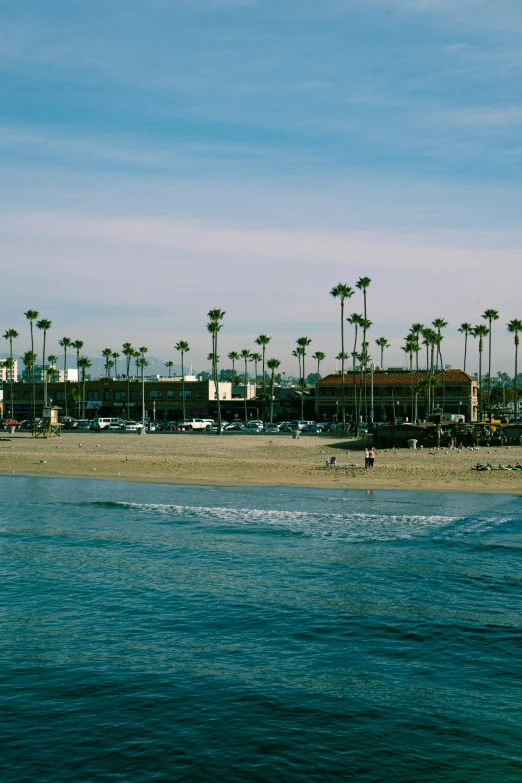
[50, 426]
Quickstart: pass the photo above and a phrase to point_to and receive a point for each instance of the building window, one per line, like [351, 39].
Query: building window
[156, 395]
[199, 395]
[106, 395]
[60, 396]
[187, 395]
[170, 395]
[94, 395]
[133, 396]
[120, 396]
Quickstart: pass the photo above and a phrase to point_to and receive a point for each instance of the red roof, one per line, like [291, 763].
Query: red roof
[381, 378]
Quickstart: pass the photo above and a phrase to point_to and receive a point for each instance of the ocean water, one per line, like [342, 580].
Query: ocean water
[163, 633]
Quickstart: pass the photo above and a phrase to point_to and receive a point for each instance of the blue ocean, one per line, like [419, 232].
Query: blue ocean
[169, 633]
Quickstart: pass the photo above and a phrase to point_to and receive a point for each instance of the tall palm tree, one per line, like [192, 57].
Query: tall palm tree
[128, 351]
[356, 320]
[107, 353]
[319, 357]
[214, 327]
[51, 370]
[83, 363]
[303, 342]
[142, 363]
[78, 345]
[342, 291]
[29, 360]
[169, 365]
[273, 364]
[465, 329]
[44, 325]
[366, 358]
[31, 316]
[11, 334]
[383, 343]
[490, 315]
[65, 343]
[429, 340]
[409, 348]
[183, 347]
[137, 355]
[480, 331]
[514, 327]
[263, 341]
[245, 355]
[116, 356]
[363, 284]
[440, 324]
[298, 352]
[234, 357]
[256, 358]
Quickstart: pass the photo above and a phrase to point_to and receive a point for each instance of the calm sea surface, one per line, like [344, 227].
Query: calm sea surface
[162, 633]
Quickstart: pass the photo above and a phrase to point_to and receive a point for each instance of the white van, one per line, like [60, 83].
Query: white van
[102, 424]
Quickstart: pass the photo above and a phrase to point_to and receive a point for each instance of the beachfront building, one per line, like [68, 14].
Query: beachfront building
[164, 397]
[8, 374]
[453, 392]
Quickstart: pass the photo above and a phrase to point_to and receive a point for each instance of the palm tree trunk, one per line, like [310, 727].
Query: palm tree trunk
[465, 349]
[12, 373]
[183, 382]
[516, 373]
[65, 377]
[343, 410]
[411, 385]
[128, 385]
[272, 398]
[303, 387]
[83, 394]
[33, 380]
[246, 381]
[489, 374]
[480, 383]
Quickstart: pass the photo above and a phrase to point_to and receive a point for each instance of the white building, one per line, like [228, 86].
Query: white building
[9, 373]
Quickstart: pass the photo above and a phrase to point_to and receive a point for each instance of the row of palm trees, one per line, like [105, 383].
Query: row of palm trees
[430, 336]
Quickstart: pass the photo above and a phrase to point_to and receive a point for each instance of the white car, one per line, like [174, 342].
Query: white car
[254, 424]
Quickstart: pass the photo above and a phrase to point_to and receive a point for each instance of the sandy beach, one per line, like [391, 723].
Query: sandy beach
[247, 460]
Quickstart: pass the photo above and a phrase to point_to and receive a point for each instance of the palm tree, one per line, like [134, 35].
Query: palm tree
[409, 348]
[356, 320]
[363, 284]
[480, 331]
[141, 364]
[465, 329]
[273, 364]
[319, 357]
[234, 357]
[256, 358]
[31, 316]
[342, 291]
[51, 370]
[11, 334]
[29, 360]
[116, 356]
[107, 353]
[303, 342]
[514, 327]
[490, 316]
[128, 351]
[137, 355]
[383, 343]
[245, 355]
[263, 341]
[65, 343]
[183, 347]
[169, 365]
[78, 345]
[298, 353]
[439, 324]
[83, 363]
[214, 327]
[430, 339]
[44, 325]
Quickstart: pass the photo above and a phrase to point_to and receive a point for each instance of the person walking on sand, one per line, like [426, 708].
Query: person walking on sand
[366, 459]
[371, 457]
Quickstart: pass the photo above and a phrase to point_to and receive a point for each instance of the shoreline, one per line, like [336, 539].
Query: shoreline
[255, 461]
[181, 482]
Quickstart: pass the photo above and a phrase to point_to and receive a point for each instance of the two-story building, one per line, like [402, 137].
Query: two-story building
[390, 392]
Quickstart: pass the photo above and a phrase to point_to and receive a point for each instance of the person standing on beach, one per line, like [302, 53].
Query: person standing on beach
[366, 458]
[371, 457]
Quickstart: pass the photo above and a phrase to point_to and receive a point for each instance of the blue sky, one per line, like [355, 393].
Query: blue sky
[161, 158]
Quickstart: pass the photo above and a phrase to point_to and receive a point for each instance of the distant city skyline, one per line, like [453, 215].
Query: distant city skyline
[161, 159]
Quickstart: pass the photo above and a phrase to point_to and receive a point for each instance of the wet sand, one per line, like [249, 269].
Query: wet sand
[247, 460]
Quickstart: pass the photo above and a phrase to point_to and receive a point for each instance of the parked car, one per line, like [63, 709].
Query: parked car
[254, 424]
[234, 425]
[196, 424]
[300, 424]
[274, 427]
[285, 426]
[314, 427]
[5, 423]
